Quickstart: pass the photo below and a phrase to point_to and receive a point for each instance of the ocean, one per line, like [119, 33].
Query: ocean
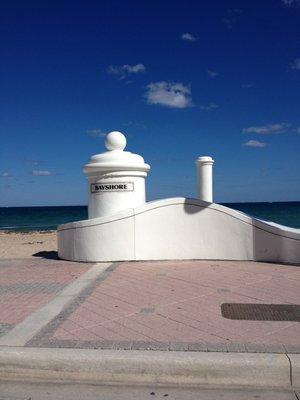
[48, 218]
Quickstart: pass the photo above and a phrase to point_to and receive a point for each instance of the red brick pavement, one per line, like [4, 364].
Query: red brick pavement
[26, 285]
[179, 301]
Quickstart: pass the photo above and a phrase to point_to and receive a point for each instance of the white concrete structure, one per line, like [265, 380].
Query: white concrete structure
[178, 228]
[123, 227]
[205, 178]
[116, 178]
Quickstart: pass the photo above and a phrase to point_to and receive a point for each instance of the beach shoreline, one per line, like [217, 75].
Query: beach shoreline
[27, 244]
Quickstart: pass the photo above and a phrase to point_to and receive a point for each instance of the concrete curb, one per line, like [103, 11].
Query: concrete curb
[295, 369]
[149, 367]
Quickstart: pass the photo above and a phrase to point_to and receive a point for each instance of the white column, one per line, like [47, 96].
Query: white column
[205, 178]
[116, 178]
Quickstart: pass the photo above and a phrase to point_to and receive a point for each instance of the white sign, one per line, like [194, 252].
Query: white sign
[112, 187]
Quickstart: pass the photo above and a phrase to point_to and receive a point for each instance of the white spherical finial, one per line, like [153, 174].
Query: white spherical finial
[115, 141]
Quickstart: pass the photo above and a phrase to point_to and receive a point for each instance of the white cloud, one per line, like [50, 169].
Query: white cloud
[96, 133]
[32, 161]
[189, 37]
[267, 129]
[247, 85]
[124, 70]
[212, 74]
[5, 175]
[232, 17]
[36, 172]
[254, 143]
[134, 69]
[209, 107]
[290, 3]
[295, 64]
[169, 94]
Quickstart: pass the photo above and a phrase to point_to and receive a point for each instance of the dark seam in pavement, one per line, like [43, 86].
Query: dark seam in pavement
[190, 326]
[291, 374]
[42, 338]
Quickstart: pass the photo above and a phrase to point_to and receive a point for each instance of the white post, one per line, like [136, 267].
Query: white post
[116, 178]
[205, 179]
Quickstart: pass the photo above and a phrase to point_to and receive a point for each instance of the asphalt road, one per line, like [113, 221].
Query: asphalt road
[42, 391]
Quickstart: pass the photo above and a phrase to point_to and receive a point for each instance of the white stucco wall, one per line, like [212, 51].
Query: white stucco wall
[178, 228]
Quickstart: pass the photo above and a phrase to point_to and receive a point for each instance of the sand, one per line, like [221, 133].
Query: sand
[27, 245]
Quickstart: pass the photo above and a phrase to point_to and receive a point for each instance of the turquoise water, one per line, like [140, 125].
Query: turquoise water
[47, 218]
[284, 213]
[39, 218]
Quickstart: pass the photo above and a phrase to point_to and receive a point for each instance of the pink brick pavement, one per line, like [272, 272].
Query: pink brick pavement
[26, 285]
[179, 301]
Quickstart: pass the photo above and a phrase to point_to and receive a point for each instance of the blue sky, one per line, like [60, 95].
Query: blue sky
[181, 79]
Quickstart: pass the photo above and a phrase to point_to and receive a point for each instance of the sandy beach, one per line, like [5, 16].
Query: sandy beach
[27, 244]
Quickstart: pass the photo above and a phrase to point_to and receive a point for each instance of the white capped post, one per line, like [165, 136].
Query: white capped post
[205, 178]
[116, 178]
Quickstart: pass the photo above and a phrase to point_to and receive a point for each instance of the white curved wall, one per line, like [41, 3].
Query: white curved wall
[178, 228]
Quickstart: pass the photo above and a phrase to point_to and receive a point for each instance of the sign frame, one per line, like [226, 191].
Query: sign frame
[106, 187]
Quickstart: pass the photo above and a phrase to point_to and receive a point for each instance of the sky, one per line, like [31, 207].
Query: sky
[181, 79]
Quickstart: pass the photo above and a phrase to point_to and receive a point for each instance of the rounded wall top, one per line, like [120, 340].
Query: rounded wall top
[115, 159]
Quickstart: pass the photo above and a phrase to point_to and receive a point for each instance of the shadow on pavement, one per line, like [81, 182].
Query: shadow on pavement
[52, 255]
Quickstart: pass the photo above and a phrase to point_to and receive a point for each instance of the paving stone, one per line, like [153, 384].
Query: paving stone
[255, 347]
[160, 346]
[32, 287]
[124, 345]
[236, 347]
[274, 348]
[217, 347]
[4, 328]
[30, 284]
[105, 344]
[292, 349]
[178, 346]
[142, 345]
[197, 346]
[165, 305]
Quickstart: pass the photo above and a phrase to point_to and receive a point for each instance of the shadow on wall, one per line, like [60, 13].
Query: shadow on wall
[190, 208]
[51, 255]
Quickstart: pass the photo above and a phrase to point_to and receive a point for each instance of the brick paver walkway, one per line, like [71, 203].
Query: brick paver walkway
[28, 284]
[177, 305]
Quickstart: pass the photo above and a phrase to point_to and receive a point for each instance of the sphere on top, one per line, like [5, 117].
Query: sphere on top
[115, 141]
[115, 159]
